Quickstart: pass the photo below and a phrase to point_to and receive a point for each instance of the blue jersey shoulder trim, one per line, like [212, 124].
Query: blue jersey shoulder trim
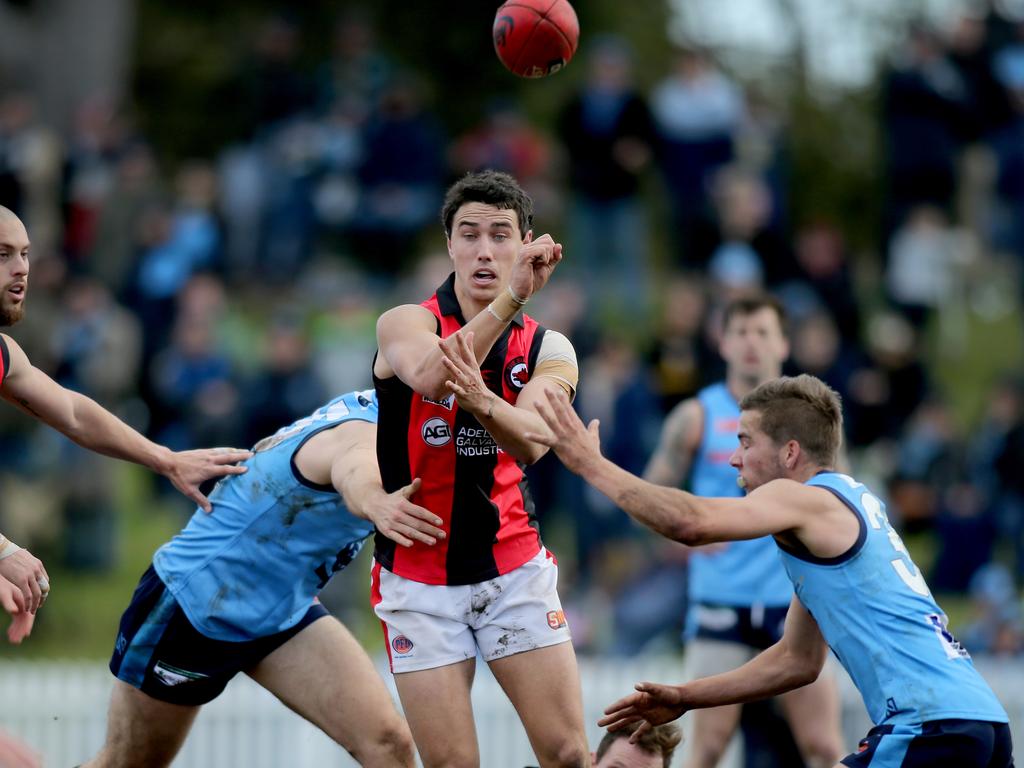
[299, 477]
[802, 553]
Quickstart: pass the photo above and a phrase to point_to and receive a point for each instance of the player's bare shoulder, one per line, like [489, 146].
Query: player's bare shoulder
[396, 326]
[684, 426]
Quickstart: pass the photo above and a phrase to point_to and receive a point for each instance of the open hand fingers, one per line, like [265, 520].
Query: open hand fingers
[643, 728]
[229, 455]
[21, 627]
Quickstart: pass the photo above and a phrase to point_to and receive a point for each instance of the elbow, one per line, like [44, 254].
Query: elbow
[532, 454]
[804, 669]
[688, 531]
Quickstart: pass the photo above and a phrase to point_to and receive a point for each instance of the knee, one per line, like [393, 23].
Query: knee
[391, 745]
[571, 754]
[709, 749]
[819, 749]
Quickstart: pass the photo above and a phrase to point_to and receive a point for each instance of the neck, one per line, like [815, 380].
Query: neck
[805, 471]
[740, 386]
[470, 307]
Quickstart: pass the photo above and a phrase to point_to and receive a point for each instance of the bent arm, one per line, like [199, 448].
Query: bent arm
[796, 660]
[407, 339]
[509, 424]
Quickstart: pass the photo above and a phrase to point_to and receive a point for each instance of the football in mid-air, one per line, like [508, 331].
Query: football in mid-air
[536, 38]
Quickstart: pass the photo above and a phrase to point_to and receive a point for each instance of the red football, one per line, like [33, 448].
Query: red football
[536, 38]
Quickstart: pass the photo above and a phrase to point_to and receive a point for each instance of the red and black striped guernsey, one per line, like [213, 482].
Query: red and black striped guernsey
[5, 360]
[478, 491]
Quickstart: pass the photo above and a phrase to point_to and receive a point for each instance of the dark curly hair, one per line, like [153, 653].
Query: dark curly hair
[491, 188]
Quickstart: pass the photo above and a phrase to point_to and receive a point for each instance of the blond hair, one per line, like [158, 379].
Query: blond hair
[801, 408]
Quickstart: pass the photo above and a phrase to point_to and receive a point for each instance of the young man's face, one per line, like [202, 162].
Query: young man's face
[622, 754]
[14, 247]
[754, 346]
[483, 247]
[757, 458]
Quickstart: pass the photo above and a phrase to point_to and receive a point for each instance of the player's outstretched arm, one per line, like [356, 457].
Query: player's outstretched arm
[356, 476]
[92, 426]
[778, 506]
[796, 660]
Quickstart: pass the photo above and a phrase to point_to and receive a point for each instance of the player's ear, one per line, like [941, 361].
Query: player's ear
[528, 236]
[448, 243]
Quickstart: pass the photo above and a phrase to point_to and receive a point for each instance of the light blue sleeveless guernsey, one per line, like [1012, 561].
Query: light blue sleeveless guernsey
[253, 566]
[881, 621]
[745, 573]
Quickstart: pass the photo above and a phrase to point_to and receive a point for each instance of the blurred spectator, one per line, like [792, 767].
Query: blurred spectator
[31, 156]
[195, 394]
[285, 387]
[971, 54]
[996, 627]
[1008, 463]
[100, 135]
[890, 386]
[97, 344]
[357, 71]
[608, 133]
[136, 189]
[272, 84]
[742, 247]
[679, 358]
[823, 269]
[926, 117]
[401, 177]
[925, 259]
[698, 111]
[505, 141]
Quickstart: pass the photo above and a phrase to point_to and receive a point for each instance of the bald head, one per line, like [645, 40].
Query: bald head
[6, 214]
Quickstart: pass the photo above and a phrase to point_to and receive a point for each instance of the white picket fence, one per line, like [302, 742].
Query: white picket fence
[60, 709]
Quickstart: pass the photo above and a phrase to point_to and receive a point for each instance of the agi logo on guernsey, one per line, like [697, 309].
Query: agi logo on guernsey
[436, 432]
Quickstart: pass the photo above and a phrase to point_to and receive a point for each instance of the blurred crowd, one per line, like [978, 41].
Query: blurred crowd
[212, 302]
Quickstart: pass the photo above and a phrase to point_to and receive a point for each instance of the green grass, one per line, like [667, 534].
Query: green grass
[81, 616]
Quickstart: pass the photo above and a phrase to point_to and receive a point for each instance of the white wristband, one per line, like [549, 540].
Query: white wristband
[516, 299]
[9, 548]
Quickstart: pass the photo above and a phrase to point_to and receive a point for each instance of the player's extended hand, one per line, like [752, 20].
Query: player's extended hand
[466, 383]
[21, 627]
[188, 469]
[576, 445]
[536, 261]
[14, 754]
[27, 574]
[653, 704]
[401, 520]
[13, 601]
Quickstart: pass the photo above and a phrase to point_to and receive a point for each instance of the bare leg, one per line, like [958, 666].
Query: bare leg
[710, 735]
[142, 732]
[440, 712]
[544, 687]
[324, 675]
[813, 716]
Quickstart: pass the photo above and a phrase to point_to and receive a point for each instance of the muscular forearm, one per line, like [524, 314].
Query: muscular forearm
[507, 425]
[770, 673]
[95, 428]
[668, 511]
